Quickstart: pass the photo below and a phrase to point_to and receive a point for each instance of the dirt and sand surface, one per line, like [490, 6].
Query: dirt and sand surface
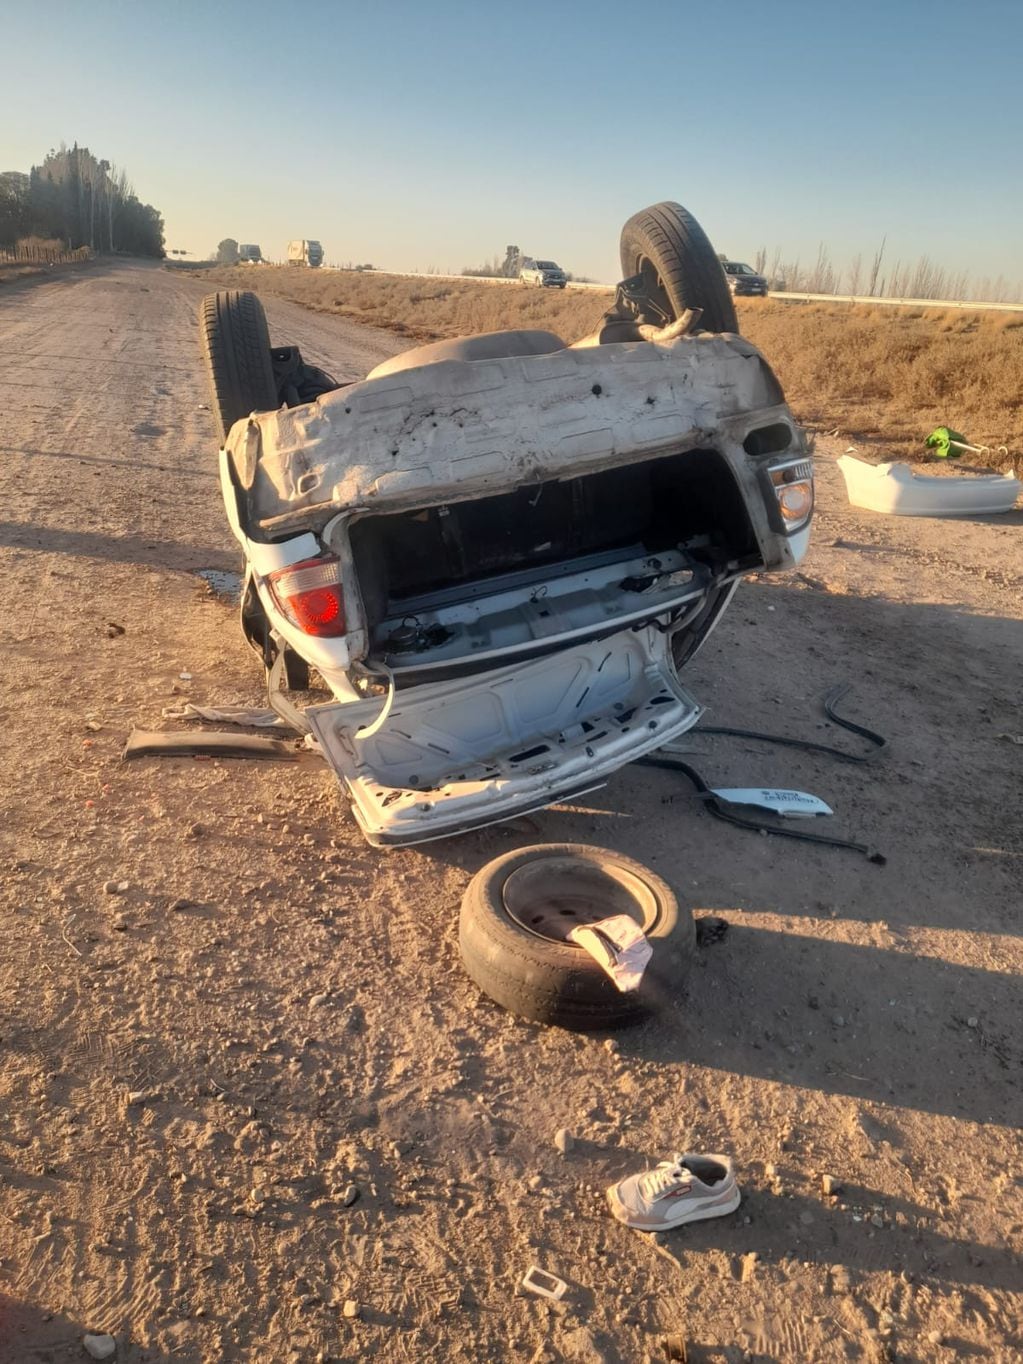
[222, 1013]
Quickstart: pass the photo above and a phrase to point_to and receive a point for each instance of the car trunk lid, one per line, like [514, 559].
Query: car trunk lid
[457, 755]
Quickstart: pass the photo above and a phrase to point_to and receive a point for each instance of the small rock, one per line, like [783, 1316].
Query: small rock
[317, 1001]
[99, 1347]
[185, 677]
[534, 1182]
[564, 1140]
[176, 906]
[830, 1185]
[840, 1280]
[876, 1220]
[196, 830]
[838, 1020]
[806, 1218]
[748, 1265]
[611, 1045]
[934, 1338]
[350, 1309]
[349, 1196]
[120, 925]
[111, 888]
[972, 1022]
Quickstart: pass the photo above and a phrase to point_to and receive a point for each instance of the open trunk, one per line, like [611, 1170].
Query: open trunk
[519, 572]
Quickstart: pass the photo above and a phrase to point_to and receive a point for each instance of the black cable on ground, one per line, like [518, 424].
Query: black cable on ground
[830, 701]
[724, 810]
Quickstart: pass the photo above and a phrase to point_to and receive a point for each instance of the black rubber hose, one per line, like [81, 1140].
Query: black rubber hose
[830, 701]
[724, 810]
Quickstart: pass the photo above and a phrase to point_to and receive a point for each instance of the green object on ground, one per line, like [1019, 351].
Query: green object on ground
[944, 442]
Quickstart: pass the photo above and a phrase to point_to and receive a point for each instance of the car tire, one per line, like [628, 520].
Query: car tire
[666, 245]
[539, 976]
[235, 343]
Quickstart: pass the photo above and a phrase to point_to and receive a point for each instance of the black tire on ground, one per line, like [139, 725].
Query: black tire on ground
[539, 974]
[666, 245]
[235, 342]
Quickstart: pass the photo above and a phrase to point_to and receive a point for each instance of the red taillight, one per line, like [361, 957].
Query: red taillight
[310, 596]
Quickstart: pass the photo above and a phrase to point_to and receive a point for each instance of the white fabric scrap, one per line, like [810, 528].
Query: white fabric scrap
[619, 946]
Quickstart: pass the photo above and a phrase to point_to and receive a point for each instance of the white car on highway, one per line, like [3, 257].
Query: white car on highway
[497, 552]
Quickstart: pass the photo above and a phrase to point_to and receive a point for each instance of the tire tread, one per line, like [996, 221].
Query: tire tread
[235, 342]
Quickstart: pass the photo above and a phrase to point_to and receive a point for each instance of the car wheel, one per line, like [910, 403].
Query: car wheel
[235, 342]
[513, 935]
[668, 247]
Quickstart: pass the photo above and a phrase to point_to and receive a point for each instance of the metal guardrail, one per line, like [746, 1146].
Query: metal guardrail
[901, 302]
[964, 305]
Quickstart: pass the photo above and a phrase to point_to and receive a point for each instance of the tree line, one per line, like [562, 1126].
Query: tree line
[77, 199]
[879, 277]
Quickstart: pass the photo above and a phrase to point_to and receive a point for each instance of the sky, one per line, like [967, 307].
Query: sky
[431, 135]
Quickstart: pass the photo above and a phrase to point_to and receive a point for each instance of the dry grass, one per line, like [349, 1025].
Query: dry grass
[887, 376]
[424, 309]
[884, 376]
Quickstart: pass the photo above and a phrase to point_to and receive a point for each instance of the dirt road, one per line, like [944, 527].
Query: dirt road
[222, 1014]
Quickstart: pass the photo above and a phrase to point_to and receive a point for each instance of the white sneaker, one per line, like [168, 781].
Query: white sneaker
[687, 1188]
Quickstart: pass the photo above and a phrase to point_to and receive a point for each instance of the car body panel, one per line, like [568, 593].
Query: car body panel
[458, 755]
[896, 490]
[461, 429]
[541, 661]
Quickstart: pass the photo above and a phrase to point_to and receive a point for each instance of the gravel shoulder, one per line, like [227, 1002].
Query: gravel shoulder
[220, 1010]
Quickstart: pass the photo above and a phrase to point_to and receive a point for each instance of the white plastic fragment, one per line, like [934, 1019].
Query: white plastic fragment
[790, 804]
[619, 946]
[544, 1285]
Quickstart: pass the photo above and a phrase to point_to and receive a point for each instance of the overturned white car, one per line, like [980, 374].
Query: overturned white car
[497, 552]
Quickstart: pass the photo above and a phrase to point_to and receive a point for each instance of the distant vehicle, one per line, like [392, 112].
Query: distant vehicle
[305, 253]
[249, 254]
[545, 274]
[743, 280]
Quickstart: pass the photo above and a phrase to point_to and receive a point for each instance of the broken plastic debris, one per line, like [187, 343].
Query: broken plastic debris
[544, 1285]
[790, 804]
[619, 946]
[259, 717]
[895, 489]
[144, 743]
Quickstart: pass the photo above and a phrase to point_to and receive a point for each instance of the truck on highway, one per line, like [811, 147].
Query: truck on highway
[249, 253]
[305, 253]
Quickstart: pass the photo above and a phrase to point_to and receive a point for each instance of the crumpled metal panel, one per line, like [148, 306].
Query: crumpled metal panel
[460, 429]
[457, 755]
